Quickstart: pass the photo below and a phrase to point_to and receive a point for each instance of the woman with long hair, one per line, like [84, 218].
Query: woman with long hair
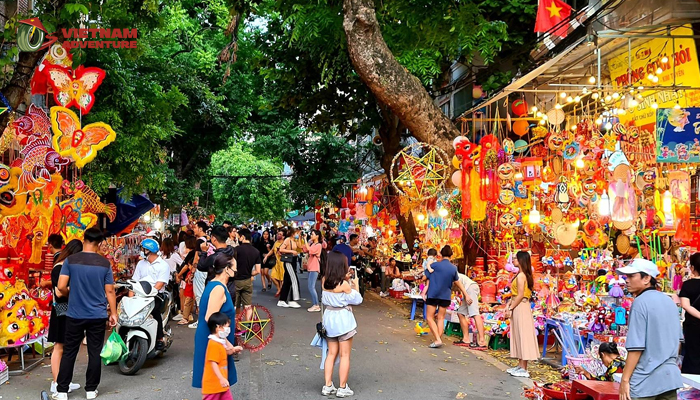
[290, 284]
[314, 249]
[277, 274]
[215, 298]
[185, 279]
[690, 301]
[264, 246]
[57, 324]
[339, 294]
[523, 337]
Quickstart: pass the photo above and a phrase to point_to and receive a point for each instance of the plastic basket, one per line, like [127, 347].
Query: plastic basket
[397, 294]
[499, 342]
[4, 376]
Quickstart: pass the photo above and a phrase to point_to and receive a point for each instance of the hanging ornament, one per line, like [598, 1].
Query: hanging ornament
[77, 91]
[70, 140]
[555, 116]
[423, 171]
[519, 108]
[521, 127]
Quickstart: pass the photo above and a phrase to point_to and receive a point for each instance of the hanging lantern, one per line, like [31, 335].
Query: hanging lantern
[604, 205]
[519, 107]
[387, 221]
[369, 209]
[370, 193]
[362, 194]
[521, 127]
[344, 202]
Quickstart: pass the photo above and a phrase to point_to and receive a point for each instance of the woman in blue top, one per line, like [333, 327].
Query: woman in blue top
[215, 298]
[339, 293]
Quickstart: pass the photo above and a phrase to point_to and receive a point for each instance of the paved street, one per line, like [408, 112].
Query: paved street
[389, 362]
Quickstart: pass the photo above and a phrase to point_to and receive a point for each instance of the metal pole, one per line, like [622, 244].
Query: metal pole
[597, 49]
[629, 61]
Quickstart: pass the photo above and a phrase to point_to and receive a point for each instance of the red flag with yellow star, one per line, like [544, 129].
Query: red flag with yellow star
[549, 14]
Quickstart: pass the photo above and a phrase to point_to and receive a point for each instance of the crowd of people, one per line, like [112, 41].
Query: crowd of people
[213, 270]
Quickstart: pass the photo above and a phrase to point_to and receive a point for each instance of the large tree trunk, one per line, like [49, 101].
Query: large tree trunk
[390, 82]
[17, 89]
[390, 133]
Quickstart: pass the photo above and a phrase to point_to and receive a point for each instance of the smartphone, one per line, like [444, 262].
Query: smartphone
[353, 270]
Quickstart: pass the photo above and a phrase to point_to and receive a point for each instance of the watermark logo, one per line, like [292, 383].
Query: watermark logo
[31, 35]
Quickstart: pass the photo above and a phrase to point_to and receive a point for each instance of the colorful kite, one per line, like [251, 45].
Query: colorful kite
[70, 140]
[78, 90]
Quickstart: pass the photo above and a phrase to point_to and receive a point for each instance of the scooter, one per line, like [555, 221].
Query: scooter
[137, 327]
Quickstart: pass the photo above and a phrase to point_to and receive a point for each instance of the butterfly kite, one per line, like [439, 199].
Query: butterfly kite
[77, 90]
[81, 144]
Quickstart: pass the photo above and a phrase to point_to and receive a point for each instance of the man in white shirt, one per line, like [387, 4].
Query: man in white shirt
[155, 270]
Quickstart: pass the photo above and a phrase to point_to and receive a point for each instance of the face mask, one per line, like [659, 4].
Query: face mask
[142, 254]
[224, 334]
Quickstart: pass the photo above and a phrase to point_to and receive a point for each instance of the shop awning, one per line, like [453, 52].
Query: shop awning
[128, 213]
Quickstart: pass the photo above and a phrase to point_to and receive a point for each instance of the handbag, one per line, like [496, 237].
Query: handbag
[287, 258]
[320, 329]
[60, 308]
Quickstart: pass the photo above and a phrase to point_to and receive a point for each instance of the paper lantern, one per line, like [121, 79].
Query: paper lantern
[555, 116]
[457, 178]
[370, 193]
[520, 146]
[520, 127]
[477, 92]
[519, 107]
[351, 206]
[369, 209]
[344, 202]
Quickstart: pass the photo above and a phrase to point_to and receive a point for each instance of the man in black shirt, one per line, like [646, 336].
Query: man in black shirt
[206, 265]
[248, 262]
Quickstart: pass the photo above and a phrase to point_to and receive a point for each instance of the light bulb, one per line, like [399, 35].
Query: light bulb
[664, 59]
[584, 90]
[633, 103]
[579, 163]
[569, 99]
[539, 114]
[631, 91]
[654, 105]
[147, 217]
[656, 79]
[608, 126]
[542, 122]
[534, 216]
[659, 70]
[640, 97]
[641, 88]
[557, 106]
[443, 212]
[573, 127]
[421, 217]
[545, 117]
[650, 76]
[562, 95]
[677, 106]
[608, 98]
[157, 225]
[604, 205]
[534, 109]
[621, 111]
[577, 99]
[616, 95]
[595, 96]
[591, 79]
[599, 121]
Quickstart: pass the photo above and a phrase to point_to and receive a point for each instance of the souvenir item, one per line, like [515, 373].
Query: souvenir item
[81, 144]
[39, 161]
[12, 202]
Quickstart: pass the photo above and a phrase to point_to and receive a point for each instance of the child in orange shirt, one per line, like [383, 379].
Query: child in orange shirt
[215, 385]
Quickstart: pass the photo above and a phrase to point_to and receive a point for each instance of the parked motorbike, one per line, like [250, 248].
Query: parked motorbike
[137, 327]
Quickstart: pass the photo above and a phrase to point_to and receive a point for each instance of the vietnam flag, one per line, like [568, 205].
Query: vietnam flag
[549, 14]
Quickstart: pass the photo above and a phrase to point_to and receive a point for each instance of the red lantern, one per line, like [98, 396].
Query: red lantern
[387, 221]
[519, 107]
[344, 202]
[342, 214]
[520, 127]
[375, 223]
[352, 211]
[351, 206]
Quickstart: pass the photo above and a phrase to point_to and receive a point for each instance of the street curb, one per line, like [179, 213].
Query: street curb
[479, 354]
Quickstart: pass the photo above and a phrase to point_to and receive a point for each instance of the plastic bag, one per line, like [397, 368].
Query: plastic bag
[114, 350]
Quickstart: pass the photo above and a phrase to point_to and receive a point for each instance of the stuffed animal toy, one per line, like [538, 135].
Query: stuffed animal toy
[13, 331]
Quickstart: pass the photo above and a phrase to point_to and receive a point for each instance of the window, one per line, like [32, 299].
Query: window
[461, 101]
[446, 109]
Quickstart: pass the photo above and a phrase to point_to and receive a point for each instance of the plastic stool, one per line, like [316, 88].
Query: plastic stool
[414, 306]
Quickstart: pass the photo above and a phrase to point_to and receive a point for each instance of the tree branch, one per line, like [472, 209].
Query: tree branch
[389, 81]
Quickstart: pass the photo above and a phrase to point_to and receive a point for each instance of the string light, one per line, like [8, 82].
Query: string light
[659, 70]
[656, 79]
[599, 121]
[584, 90]
[562, 95]
[539, 114]
[640, 97]
[443, 212]
[677, 106]
[577, 99]
[608, 98]
[633, 103]
[569, 99]
[545, 117]
[534, 109]
[664, 59]
[616, 95]
[640, 88]
[650, 76]
[542, 122]
[621, 111]
[654, 105]
[574, 127]
[557, 106]
[591, 80]
[608, 126]
[595, 96]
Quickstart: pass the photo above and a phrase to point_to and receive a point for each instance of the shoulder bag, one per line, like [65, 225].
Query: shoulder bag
[287, 258]
[60, 308]
[320, 329]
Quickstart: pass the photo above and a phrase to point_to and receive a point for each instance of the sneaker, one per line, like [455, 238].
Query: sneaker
[328, 390]
[314, 308]
[193, 325]
[91, 395]
[71, 387]
[237, 357]
[344, 392]
[383, 294]
[282, 304]
[521, 373]
[293, 304]
[514, 369]
[59, 396]
[178, 317]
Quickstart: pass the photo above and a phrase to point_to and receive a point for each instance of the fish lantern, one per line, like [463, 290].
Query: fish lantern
[344, 202]
[520, 127]
[519, 107]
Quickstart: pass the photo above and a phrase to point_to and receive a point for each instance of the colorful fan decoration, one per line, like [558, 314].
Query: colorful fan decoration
[422, 171]
[78, 90]
[70, 140]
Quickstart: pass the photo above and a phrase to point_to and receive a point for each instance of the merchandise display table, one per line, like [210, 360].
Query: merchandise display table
[598, 390]
[691, 380]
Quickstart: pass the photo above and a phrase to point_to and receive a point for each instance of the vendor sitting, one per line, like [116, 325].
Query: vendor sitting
[611, 358]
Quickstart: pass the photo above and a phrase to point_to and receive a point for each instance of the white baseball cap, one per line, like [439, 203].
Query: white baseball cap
[640, 265]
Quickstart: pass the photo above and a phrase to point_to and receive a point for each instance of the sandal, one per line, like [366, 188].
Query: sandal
[460, 343]
[183, 322]
[264, 290]
[435, 346]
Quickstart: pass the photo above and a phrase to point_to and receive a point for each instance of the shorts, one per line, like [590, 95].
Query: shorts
[473, 309]
[343, 338]
[218, 396]
[670, 395]
[438, 303]
[244, 293]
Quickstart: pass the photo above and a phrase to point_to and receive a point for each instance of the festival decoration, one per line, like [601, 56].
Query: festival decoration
[39, 161]
[256, 330]
[12, 201]
[422, 170]
[77, 90]
[81, 144]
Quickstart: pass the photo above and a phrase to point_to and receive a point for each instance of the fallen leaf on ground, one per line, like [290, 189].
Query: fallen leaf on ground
[443, 369]
[413, 349]
[461, 395]
[153, 377]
